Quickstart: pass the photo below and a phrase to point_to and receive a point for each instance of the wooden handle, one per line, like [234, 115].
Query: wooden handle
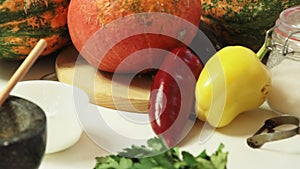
[23, 69]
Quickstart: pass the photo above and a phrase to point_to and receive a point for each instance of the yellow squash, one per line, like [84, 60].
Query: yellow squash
[233, 81]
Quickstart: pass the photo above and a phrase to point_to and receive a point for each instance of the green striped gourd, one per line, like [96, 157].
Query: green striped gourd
[242, 22]
[24, 22]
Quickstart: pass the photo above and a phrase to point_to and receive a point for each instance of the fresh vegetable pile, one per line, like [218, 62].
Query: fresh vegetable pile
[157, 156]
[232, 81]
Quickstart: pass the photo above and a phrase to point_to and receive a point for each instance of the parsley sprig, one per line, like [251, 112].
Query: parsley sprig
[158, 156]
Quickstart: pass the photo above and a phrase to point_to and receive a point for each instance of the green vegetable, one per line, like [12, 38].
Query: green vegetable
[242, 22]
[24, 22]
[158, 156]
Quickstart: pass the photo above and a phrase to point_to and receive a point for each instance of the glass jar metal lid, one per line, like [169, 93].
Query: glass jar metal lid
[284, 38]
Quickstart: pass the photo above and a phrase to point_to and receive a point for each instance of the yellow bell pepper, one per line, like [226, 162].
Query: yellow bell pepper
[233, 81]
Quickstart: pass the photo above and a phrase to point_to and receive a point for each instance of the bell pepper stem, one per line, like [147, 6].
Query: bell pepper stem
[262, 51]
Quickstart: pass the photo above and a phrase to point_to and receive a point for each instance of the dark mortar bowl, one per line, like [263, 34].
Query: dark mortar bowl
[22, 134]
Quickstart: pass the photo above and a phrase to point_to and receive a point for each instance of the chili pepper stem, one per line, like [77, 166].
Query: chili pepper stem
[262, 51]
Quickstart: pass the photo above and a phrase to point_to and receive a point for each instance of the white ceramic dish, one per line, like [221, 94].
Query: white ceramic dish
[58, 101]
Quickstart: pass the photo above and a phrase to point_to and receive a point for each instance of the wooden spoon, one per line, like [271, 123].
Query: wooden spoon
[23, 69]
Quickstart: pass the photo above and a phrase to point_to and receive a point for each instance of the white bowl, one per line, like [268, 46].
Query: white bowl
[58, 101]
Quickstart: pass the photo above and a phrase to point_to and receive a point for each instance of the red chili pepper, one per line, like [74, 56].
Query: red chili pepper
[172, 95]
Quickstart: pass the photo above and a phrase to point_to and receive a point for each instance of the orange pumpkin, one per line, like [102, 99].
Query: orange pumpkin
[107, 32]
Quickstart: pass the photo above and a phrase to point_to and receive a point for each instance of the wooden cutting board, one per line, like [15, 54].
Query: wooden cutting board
[126, 92]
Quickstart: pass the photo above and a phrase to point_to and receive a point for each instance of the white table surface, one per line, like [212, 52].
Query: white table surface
[275, 155]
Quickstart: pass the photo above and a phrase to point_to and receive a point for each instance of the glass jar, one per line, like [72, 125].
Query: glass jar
[284, 63]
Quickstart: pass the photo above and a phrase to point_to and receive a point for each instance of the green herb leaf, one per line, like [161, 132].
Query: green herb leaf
[125, 163]
[219, 158]
[157, 156]
[189, 159]
[109, 162]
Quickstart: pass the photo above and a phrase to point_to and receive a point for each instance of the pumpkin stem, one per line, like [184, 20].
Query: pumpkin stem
[262, 51]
